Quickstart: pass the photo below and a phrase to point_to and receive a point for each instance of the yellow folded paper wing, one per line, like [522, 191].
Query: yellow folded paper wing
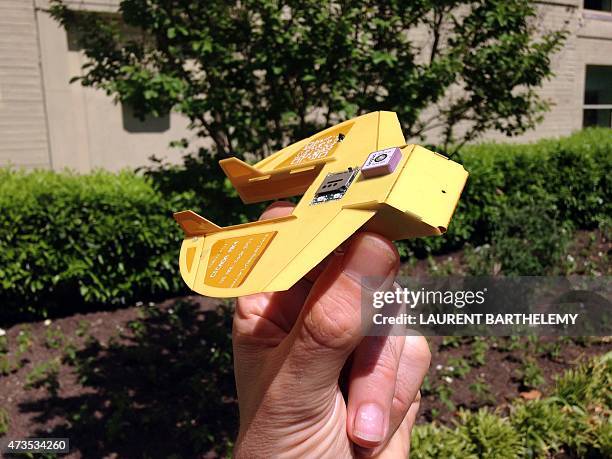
[358, 174]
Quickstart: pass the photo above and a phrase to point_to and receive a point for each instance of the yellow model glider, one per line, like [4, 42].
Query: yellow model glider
[358, 174]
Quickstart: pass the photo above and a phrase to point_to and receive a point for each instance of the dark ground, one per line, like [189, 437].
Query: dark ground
[153, 379]
[156, 380]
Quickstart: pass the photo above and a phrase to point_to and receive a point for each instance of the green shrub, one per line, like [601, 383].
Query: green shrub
[541, 426]
[576, 418]
[200, 184]
[587, 384]
[4, 421]
[529, 374]
[564, 182]
[490, 435]
[529, 239]
[429, 441]
[45, 374]
[66, 239]
[583, 395]
[603, 438]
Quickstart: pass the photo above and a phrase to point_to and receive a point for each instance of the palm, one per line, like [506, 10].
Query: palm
[264, 331]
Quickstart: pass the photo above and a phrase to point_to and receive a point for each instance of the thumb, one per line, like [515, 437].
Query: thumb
[329, 326]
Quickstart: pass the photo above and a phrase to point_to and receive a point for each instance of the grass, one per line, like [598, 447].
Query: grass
[44, 375]
[4, 421]
[482, 390]
[530, 374]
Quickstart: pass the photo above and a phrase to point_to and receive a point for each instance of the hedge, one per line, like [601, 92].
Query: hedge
[69, 240]
[566, 181]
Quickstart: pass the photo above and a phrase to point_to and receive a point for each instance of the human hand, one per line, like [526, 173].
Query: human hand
[309, 384]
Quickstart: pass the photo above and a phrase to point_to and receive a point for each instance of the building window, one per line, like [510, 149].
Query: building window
[599, 5]
[598, 96]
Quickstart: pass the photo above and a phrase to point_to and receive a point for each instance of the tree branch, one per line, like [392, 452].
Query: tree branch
[437, 24]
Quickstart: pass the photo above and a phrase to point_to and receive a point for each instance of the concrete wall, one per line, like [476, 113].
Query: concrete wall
[87, 129]
[562, 91]
[47, 122]
[23, 129]
[589, 42]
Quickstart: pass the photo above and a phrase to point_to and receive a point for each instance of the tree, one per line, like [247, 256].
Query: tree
[255, 75]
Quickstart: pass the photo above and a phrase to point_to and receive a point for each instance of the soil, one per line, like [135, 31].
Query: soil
[156, 380]
[86, 404]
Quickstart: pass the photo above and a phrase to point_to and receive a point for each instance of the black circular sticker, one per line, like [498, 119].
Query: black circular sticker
[380, 158]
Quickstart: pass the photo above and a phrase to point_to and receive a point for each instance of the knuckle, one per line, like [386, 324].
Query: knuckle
[332, 322]
[386, 370]
[417, 349]
[378, 354]
[247, 305]
[240, 328]
[401, 403]
[416, 358]
[247, 315]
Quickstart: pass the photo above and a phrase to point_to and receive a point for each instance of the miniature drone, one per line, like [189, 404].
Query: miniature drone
[359, 174]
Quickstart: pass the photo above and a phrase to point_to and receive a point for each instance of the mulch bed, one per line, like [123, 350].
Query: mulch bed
[156, 380]
[108, 404]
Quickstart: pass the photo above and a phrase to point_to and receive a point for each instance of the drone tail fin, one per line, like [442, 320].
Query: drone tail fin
[195, 225]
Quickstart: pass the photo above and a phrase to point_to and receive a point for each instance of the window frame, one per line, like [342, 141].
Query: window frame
[597, 11]
[591, 106]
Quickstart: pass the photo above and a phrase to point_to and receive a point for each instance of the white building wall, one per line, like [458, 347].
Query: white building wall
[589, 42]
[87, 128]
[47, 122]
[562, 91]
[23, 129]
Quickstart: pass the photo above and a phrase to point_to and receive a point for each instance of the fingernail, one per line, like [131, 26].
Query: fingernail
[370, 260]
[370, 423]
